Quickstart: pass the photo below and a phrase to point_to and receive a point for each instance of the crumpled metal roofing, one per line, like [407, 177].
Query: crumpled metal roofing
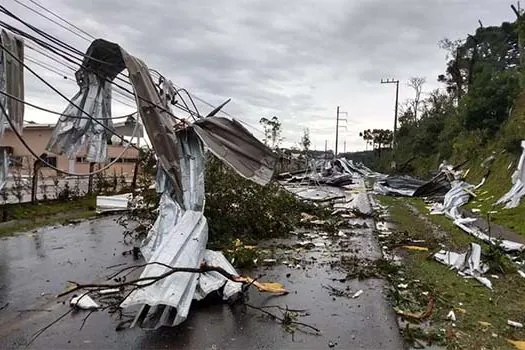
[12, 79]
[512, 198]
[12, 83]
[179, 235]
[75, 130]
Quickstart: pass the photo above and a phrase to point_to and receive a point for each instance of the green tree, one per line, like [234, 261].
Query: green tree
[272, 132]
[306, 142]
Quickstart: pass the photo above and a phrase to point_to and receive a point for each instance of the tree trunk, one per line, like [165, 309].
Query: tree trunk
[90, 180]
[135, 174]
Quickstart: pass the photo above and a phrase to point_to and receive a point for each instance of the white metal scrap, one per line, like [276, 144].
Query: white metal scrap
[512, 198]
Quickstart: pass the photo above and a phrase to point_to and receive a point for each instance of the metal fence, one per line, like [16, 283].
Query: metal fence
[19, 188]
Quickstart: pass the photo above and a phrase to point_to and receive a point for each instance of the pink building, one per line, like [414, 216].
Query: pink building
[37, 137]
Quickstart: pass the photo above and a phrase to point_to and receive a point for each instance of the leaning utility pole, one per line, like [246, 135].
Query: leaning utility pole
[392, 81]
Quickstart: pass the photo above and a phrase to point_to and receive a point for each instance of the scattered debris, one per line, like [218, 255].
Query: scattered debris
[357, 294]
[119, 202]
[338, 292]
[467, 264]
[269, 261]
[451, 316]
[418, 315]
[512, 198]
[515, 324]
[416, 248]
[84, 302]
[518, 344]
[109, 291]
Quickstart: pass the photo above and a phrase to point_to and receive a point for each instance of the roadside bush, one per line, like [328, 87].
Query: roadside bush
[235, 208]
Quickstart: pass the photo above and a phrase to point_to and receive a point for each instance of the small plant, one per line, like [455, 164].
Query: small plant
[4, 195]
[76, 192]
[18, 186]
[241, 255]
[114, 180]
[56, 186]
[43, 186]
[65, 193]
[122, 180]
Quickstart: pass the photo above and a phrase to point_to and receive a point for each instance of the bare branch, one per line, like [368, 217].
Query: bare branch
[152, 279]
[282, 320]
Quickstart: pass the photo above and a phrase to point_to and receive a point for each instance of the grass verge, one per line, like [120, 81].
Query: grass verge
[481, 314]
[28, 216]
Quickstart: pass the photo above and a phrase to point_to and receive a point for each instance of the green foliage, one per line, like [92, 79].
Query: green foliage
[488, 103]
[305, 141]
[236, 207]
[377, 138]
[241, 255]
[472, 113]
[272, 131]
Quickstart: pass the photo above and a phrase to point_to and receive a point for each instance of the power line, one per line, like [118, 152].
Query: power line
[62, 19]
[46, 45]
[65, 76]
[58, 92]
[59, 51]
[50, 19]
[58, 113]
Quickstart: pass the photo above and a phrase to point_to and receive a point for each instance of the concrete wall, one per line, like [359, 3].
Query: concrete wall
[37, 138]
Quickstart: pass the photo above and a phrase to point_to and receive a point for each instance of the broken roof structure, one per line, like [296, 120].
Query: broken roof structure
[11, 85]
[179, 236]
[512, 198]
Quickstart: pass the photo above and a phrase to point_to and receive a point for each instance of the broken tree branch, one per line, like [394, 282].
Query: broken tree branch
[148, 281]
[152, 279]
[42, 330]
[282, 319]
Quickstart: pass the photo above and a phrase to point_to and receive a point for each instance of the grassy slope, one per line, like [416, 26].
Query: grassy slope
[506, 301]
[27, 216]
[499, 181]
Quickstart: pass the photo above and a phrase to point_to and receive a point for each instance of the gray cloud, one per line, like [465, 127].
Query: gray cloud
[297, 59]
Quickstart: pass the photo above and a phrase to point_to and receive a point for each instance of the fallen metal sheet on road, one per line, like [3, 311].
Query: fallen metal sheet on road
[359, 204]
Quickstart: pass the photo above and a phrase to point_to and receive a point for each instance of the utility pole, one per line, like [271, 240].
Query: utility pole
[392, 81]
[336, 132]
[344, 147]
[325, 148]
[337, 128]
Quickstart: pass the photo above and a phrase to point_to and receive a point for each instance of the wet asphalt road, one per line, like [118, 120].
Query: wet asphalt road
[34, 268]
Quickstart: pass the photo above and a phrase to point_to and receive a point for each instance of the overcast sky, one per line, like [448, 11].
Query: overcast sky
[296, 59]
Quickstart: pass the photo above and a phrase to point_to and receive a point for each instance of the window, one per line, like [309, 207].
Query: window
[16, 161]
[50, 160]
